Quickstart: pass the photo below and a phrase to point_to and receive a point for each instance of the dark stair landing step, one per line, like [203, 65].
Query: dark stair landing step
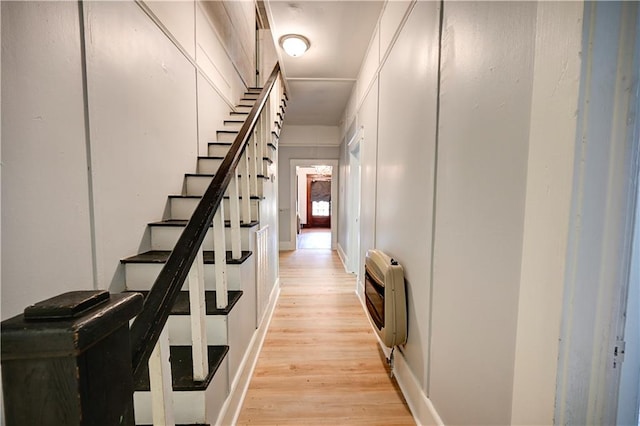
[253, 197]
[182, 369]
[161, 256]
[190, 424]
[182, 307]
[183, 222]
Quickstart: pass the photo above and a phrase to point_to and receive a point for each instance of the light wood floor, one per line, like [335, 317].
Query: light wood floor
[320, 363]
[314, 238]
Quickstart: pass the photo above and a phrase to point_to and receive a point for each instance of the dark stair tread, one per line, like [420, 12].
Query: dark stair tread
[233, 122]
[161, 256]
[253, 197]
[227, 131]
[210, 158]
[220, 143]
[208, 175]
[190, 424]
[182, 369]
[268, 160]
[182, 307]
[183, 223]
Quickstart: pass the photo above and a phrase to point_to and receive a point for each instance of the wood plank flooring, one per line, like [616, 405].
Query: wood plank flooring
[320, 363]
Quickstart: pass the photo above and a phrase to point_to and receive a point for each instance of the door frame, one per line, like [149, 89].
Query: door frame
[602, 217]
[293, 196]
[354, 203]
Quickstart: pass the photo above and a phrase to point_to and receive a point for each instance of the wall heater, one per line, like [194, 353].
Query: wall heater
[385, 297]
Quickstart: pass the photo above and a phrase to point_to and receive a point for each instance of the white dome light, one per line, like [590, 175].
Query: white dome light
[295, 45]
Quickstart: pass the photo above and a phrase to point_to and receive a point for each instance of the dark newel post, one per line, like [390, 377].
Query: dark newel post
[67, 361]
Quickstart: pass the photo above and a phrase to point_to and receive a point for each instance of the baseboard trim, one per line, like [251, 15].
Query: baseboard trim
[422, 410]
[343, 257]
[231, 408]
[286, 245]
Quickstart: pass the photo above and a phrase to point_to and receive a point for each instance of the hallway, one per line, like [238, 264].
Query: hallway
[320, 363]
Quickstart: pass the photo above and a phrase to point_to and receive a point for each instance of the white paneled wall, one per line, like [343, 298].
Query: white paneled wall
[485, 109]
[491, 109]
[142, 108]
[45, 191]
[406, 161]
[150, 110]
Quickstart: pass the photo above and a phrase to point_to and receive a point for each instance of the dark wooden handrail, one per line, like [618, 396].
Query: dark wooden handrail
[148, 325]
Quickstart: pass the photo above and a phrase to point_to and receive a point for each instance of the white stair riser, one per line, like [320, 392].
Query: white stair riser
[233, 126]
[165, 237]
[182, 208]
[243, 108]
[226, 137]
[208, 166]
[241, 117]
[180, 330]
[141, 276]
[218, 150]
[197, 185]
[190, 407]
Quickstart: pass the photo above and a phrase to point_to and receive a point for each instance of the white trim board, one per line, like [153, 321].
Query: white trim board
[343, 257]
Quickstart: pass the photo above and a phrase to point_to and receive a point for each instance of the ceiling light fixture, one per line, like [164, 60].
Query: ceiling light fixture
[294, 44]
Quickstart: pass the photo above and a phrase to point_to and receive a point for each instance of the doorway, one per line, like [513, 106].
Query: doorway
[314, 203]
[314, 207]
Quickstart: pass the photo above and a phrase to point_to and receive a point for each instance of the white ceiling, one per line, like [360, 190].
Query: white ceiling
[321, 80]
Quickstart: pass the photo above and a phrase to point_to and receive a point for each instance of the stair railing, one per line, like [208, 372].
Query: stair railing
[244, 159]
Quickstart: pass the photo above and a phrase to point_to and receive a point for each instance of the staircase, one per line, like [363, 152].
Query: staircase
[197, 298]
[212, 343]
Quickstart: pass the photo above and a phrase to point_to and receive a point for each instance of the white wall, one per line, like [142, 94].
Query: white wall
[77, 196]
[484, 354]
[482, 164]
[45, 192]
[142, 107]
[405, 168]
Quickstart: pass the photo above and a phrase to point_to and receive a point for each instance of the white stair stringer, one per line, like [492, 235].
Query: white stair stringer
[235, 330]
[189, 407]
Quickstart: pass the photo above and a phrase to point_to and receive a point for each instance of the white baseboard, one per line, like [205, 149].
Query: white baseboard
[231, 408]
[422, 410]
[343, 257]
[286, 245]
[424, 413]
